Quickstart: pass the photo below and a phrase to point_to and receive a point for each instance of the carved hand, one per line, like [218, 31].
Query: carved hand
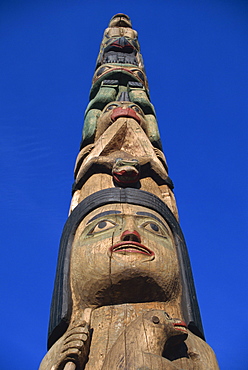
[74, 347]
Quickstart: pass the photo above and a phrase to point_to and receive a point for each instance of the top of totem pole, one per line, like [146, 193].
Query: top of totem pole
[120, 20]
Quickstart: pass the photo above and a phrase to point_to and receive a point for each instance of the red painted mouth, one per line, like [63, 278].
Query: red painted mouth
[181, 326]
[124, 112]
[131, 247]
[126, 177]
[117, 45]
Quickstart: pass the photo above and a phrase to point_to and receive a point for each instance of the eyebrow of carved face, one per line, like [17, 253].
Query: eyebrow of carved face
[102, 214]
[150, 215]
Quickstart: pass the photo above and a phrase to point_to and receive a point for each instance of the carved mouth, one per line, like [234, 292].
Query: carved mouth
[181, 326]
[126, 176]
[121, 44]
[131, 247]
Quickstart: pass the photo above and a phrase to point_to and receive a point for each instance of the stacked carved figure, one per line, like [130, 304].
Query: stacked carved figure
[124, 296]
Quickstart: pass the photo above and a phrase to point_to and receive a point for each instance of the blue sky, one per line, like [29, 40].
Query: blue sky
[196, 59]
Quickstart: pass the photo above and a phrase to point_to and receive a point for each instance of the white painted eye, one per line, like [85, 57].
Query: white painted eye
[102, 226]
[154, 228]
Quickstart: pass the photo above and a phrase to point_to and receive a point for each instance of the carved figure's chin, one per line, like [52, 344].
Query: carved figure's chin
[132, 289]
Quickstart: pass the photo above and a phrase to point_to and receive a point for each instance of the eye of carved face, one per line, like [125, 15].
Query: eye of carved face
[102, 225]
[141, 222]
[154, 228]
[136, 109]
[101, 71]
[139, 74]
[167, 316]
[110, 107]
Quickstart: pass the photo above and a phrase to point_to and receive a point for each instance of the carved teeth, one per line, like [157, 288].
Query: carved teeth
[181, 326]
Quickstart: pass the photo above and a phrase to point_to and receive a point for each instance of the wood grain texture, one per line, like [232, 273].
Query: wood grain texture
[124, 337]
[127, 140]
[142, 342]
[124, 286]
[104, 181]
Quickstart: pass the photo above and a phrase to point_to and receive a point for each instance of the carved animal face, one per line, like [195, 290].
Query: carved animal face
[172, 326]
[117, 109]
[124, 253]
[115, 71]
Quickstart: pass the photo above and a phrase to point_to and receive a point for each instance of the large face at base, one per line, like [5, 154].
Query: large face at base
[123, 253]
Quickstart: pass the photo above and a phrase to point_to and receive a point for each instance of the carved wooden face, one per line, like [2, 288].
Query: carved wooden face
[115, 110]
[123, 253]
[114, 71]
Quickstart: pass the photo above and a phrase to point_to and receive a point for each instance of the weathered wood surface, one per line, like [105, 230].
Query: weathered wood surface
[104, 181]
[124, 253]
[119, 343]
[124, 280]
[142, 342]
[123, 139]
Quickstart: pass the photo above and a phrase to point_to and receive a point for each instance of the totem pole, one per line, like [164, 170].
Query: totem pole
[124, 296]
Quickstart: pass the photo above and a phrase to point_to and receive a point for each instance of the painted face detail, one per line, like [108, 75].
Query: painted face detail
[102, 226]
[112, 71]
[118, 243]
[180, 326]
[136, 227]
[124, 109]
[119, 109]
[163, 317]
[130, 243]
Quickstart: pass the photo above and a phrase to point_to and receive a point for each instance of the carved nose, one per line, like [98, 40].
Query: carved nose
[133, 236]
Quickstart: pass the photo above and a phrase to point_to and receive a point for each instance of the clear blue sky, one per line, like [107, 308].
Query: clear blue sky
[196, 58]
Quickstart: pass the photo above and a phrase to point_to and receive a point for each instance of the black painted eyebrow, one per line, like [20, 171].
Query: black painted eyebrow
[150, 215]
[103, 214]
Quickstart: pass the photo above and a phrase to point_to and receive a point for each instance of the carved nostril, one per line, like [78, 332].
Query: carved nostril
[133, 236]
[130, 237]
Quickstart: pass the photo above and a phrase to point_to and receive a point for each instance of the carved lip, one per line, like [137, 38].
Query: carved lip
[126, 177]
[181, 326]
[119, 45]
[124, 112]
[131, 247]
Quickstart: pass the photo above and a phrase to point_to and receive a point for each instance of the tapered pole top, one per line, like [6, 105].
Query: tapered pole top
[120, 20]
